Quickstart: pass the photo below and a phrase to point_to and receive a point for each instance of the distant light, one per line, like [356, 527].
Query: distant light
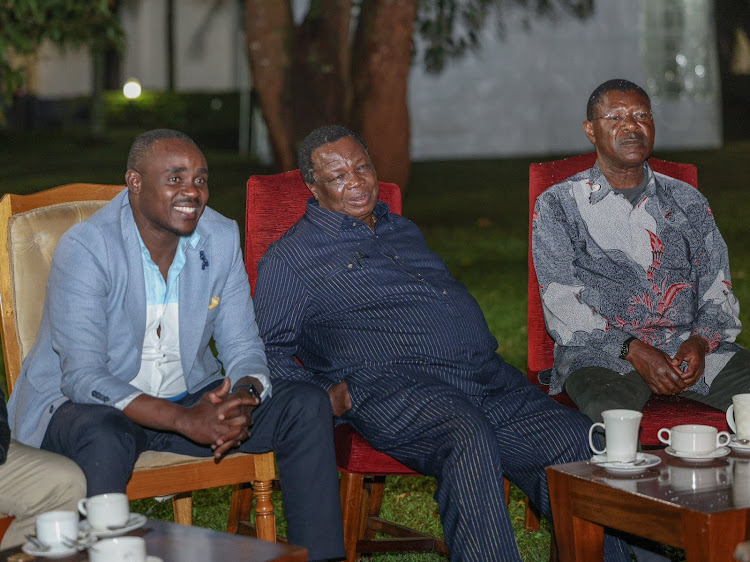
[132, 89]
[681, 59]
[700, 70]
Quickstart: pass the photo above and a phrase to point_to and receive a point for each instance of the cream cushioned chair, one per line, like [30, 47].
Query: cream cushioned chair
[30, 227]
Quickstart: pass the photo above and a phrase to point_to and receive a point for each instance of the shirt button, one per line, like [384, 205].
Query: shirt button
[354, 224]
[445, 292]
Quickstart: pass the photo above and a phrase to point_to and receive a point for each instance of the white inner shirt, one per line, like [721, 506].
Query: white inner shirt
[161, 373]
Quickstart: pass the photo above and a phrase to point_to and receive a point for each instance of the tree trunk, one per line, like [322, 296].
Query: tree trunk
[320, 76]
[311, 76]
[380, 73]
[269, 30]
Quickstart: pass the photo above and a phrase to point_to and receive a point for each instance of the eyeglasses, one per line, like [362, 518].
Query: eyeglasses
[639, 116]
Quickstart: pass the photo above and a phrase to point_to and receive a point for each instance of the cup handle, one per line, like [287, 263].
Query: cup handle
[725, 435]
[82, 506]
[730, 417]
[666, 440]
[591, 440]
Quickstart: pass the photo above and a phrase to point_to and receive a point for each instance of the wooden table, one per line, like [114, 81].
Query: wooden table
[699, 507]
[180, 543]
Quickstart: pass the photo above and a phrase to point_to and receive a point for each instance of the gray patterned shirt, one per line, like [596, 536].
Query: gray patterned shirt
[608, 270]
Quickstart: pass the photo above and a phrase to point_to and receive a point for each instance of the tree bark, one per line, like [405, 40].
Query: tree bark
[269, 30]
[312, 75]
[320, 76]
[380, 73]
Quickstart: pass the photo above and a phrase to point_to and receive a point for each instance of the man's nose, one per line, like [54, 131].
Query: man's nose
[190, 189]
[355, 180]
[628, 120]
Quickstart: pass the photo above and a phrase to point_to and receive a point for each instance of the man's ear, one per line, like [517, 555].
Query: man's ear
[313, 189]
[588, 129]
[133, 180]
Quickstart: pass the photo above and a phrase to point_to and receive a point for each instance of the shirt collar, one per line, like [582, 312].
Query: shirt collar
[333, 222]
[600, 187]
[182, 245]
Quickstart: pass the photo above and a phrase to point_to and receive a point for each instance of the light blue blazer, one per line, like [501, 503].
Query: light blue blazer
[90, 340]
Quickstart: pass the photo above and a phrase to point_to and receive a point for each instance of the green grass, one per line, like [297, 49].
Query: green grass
[473, 213]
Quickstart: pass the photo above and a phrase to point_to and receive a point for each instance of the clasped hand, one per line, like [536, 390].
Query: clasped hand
[222, 418]
[664, 374]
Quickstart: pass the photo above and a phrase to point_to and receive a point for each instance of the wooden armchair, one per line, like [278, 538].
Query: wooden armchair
[30, 227]
[660, 411]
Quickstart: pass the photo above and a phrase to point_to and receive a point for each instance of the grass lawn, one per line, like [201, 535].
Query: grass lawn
[473, 213]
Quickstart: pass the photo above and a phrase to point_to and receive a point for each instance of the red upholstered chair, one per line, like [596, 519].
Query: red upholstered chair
[660, 411]
[274, 203]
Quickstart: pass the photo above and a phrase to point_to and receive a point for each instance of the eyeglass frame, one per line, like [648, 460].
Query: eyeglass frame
[617, 118]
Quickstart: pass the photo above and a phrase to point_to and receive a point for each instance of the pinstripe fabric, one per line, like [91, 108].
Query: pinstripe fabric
[381, 311]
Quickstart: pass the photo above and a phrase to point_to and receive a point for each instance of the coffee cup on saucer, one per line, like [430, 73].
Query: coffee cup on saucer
[693, 439]
[105, 511]
[738, 415]
[120, 549]
[55, 528]
[621, 431]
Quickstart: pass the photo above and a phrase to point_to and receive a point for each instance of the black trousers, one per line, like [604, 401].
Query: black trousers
[295, 423]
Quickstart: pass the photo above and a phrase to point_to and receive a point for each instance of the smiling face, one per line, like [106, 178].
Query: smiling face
[345, 179]
[622, 130]
[169, 191]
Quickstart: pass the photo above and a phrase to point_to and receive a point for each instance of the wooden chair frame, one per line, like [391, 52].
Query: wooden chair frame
[178, 474]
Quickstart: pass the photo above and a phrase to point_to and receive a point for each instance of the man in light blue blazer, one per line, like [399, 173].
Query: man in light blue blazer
[122, 362]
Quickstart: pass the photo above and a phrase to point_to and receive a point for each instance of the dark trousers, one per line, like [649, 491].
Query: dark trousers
[295, 423]
[595, 389]
[468, 443]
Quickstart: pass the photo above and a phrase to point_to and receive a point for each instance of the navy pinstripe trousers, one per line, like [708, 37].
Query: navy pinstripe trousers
[468, 443]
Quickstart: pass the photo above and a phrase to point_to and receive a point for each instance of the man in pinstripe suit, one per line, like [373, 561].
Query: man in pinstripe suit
[403, 350]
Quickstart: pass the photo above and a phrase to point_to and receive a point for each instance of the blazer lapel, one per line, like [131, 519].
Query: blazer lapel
[195, 285]
[136, 289]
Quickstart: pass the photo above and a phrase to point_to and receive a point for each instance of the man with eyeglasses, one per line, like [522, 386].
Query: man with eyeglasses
[634, 274]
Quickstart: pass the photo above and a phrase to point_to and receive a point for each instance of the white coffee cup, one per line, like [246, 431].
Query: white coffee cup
[105, 510]
[693, 438]
[621, 429]
[738, 415]
[120, 549]
[53, 527]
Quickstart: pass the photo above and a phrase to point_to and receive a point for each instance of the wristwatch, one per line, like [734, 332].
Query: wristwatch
[249, 387]
[625, 349]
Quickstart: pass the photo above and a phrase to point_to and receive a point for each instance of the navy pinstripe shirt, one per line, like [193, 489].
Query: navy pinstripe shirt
[364, 306]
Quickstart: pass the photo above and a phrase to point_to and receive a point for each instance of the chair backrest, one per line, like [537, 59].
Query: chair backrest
[30, 227]
[541, 177]
[275, 203]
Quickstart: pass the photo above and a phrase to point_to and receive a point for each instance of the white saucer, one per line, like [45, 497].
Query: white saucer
[627, 467]
[85, 541]
[699, 457]
[135, 521]
[738, 447]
